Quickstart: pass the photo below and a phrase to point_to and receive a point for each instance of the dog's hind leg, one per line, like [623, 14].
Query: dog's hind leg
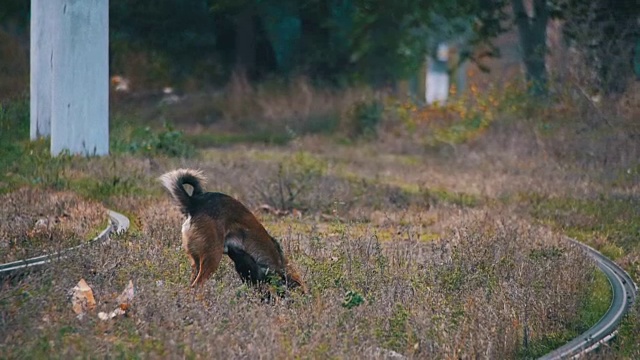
[208, 265]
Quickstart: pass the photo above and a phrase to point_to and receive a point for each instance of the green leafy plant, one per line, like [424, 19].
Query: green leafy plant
[352, 299]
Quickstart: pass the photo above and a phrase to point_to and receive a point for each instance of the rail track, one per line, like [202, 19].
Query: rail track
[624, 293]
[118, 224]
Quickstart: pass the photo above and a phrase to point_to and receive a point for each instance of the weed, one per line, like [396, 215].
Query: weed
[30, 162]
[273, 112]
[544, 345]
[452, 279]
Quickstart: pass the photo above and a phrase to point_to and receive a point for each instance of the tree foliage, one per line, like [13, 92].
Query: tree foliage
[373, 41]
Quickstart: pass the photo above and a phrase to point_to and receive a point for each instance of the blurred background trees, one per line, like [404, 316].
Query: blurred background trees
[605, 34]
[202, 42]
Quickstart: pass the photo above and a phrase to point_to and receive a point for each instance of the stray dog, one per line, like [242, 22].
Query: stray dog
[218, 224]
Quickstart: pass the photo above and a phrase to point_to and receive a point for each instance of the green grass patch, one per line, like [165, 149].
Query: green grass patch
[144, 140]
[103, 225]
[30, 163]
[596, 302]
[102, 189]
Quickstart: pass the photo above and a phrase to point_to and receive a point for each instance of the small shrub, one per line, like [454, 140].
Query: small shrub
[364, 117]
[167, 142]
[296, 175]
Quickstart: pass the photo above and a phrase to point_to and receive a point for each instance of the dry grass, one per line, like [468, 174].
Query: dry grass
[34, 222]
[471, 294]
[441, 273]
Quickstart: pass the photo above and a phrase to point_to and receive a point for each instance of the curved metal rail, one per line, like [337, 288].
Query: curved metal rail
[624, 292]
[118, 224]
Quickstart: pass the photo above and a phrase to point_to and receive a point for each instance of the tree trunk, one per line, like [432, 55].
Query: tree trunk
[533, 41]
[246, 42]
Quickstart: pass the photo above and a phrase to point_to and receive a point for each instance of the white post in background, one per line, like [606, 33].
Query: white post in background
[80, 76]
[437, 79]
[41, 67]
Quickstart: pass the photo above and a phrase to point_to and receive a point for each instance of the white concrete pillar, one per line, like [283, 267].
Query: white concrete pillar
[80, 76]
[437, 82]
[437, 78]
[41, 68]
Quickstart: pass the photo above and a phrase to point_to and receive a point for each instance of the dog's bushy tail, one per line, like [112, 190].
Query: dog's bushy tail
[174, 182]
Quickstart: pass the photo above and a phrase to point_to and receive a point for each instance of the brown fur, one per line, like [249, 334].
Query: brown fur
[217, 224]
